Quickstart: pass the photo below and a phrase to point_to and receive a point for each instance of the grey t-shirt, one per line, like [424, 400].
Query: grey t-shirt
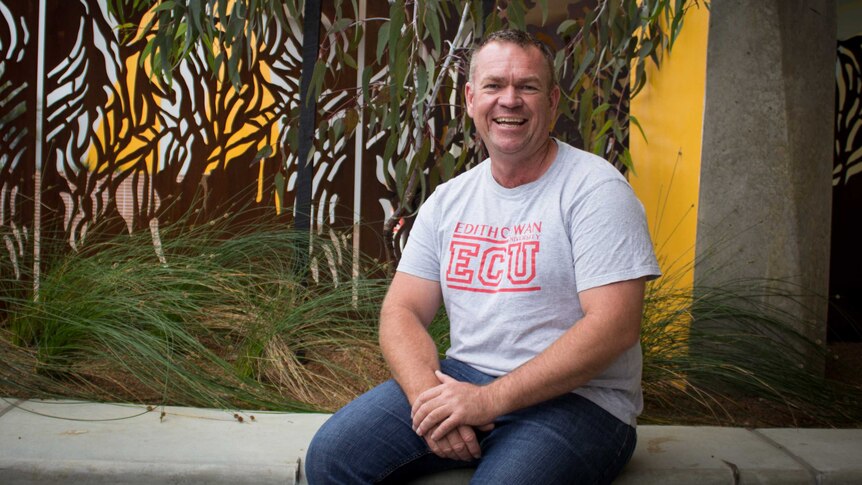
[511, 262]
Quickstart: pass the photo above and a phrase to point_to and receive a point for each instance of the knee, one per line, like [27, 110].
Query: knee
[349, 448]
[324, 457]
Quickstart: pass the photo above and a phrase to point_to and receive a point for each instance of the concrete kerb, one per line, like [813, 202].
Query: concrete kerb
[712, 455]
[835, 455]
[67, 442]
[64, 442]
[7, 405]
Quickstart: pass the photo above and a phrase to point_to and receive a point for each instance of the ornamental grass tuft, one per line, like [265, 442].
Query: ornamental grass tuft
[220, 315]
[256, 315]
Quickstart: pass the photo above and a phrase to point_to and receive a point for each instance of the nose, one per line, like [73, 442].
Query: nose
[510, 97]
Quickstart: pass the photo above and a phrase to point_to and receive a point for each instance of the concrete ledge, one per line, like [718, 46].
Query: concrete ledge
[712, 455]
[14, 471]
[683, 455]
[73, 442]
[834, 455]
[70, 442]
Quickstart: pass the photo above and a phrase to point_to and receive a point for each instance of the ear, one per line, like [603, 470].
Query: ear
[468, 97]
[555, 98]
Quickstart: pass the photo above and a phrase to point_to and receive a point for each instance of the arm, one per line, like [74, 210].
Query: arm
[408, 309]
[611, 325]
[411, 354]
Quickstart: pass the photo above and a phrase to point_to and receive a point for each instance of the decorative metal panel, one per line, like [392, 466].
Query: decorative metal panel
[108, 145]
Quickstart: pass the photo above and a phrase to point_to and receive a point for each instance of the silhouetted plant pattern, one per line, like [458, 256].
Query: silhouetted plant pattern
[155, 110]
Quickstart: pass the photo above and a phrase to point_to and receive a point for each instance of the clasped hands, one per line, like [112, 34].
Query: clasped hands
[446, 414]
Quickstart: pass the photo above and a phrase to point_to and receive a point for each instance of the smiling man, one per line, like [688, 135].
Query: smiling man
[539, 254]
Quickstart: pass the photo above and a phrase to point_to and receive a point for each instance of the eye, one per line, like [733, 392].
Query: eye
[530, 88]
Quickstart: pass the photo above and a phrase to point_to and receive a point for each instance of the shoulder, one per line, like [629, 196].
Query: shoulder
[585, 166]
[586, 177]
[458, 187]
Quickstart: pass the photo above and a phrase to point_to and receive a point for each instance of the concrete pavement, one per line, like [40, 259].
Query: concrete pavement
[79, 442]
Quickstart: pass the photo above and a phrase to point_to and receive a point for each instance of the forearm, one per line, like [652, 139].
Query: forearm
[568, 363]
[408, 309]
[408, 348]
[579, 355]
[610, 326]
[409, 351]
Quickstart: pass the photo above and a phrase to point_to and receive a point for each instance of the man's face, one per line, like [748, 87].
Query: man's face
[511, 100]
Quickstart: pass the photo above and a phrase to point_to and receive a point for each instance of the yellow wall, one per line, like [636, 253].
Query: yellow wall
[667, 164]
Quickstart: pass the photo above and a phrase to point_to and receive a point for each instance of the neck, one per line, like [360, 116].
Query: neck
[512, 173]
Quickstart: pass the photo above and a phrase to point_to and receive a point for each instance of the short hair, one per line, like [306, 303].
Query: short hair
[521, 39]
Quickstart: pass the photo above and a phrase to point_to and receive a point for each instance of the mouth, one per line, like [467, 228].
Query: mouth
[509, 121]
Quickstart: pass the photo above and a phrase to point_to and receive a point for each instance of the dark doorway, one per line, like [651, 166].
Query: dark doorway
[845, 271]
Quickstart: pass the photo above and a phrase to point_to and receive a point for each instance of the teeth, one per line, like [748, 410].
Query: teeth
[510, 121]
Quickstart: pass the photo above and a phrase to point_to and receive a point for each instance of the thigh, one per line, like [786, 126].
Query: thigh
[565, 440]
[364, 441]
[371, 440]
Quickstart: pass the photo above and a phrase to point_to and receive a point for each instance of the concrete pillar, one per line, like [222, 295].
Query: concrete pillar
[765, 185]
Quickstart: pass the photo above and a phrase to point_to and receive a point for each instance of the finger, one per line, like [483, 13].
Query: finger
[444, 427]
[459, 448]
[486, 427]
[418, 415]
[426, 417]
[423, 398]
[441, 448]
[421, 415]
[426, 422]
[469, 437]
[443, 378]
[434, 447]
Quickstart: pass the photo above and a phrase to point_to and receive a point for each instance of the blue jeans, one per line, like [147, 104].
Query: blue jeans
[568, 439]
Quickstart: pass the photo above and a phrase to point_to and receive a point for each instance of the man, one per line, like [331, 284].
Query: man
[540, 255]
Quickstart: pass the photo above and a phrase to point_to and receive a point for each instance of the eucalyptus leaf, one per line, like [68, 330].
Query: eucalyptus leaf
[351, 119]
[400, 178]
[566, 26]
[366, 81]
[516, 13]
[635, 122]
[349, 60]
[382, 40]
[432, 25]
[602, 65]
[447, 166]
[339, 26]
[165, 5]
[605, 128]
[316, 81]
[264, 152]
[338, 128]
[422, 82]
[601, 109]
